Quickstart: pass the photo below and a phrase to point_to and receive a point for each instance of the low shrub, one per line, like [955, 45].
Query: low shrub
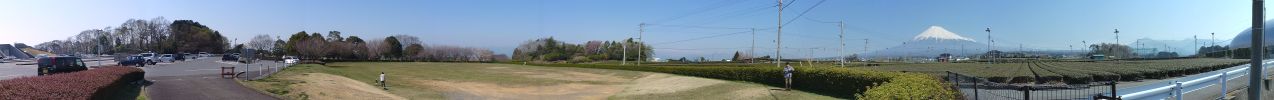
[99, 83]
[831, 81]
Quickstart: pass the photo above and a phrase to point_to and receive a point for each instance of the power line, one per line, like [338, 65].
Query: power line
[704, 37]
[693, 26]
[701, 10]
[789, 4]
[807, 10]
[700, 48]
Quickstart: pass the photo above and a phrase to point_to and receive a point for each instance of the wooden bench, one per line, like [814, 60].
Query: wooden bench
[227, 72]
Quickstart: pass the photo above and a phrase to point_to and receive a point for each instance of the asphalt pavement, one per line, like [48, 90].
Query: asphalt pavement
[199, 79]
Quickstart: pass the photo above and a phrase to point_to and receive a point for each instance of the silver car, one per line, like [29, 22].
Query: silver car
[166, 58]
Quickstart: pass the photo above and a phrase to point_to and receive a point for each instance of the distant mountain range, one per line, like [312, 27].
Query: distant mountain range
[937, 40]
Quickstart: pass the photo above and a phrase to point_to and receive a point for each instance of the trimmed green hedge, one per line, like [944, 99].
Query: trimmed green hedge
[101, 83]
[837, 82]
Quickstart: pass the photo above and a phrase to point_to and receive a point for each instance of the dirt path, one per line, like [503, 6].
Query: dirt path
[320, 86]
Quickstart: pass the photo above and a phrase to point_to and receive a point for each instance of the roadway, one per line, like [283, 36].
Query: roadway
[199, 79]
[1207, 85]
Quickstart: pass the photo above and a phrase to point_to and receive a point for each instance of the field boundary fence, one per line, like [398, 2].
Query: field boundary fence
[975, 88]
[1198, 86]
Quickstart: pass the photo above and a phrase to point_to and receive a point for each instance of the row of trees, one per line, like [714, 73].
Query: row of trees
[138, 35]
[1116, 51]
[549, 49]
[396, 47]
[186, 36]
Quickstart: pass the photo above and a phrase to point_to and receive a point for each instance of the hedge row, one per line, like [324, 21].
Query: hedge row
[837, 82]
[99, 83]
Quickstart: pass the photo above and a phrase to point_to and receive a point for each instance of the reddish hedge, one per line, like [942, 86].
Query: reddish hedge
[104, 82]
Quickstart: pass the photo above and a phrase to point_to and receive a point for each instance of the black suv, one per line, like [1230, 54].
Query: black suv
[62, 64]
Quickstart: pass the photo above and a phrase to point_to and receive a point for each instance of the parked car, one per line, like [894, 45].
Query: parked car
[133, 61]
[204, 54]
[167, 58]
[181, 57]
[229, 57]
[290, 59]
[59, 64]
[150, 58]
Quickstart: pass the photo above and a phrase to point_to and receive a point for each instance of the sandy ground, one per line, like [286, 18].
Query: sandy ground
[664, 83]
[585, 86]
[320, 86]
[463, 81]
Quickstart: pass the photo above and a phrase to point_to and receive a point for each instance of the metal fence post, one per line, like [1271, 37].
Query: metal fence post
[1026, 92]
[975, 88]
[1223, 88]
[1179, 90]
[1113, 89]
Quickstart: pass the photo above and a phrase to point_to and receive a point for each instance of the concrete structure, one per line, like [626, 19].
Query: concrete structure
[7, 50]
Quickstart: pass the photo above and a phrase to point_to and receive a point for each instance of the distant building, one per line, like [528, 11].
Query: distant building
[944, 57]
[1097, 57]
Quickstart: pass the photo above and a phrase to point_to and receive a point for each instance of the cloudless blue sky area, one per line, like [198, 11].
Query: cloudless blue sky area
[677, 28]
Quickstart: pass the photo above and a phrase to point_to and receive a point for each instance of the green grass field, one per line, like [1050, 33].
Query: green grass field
[406, 80]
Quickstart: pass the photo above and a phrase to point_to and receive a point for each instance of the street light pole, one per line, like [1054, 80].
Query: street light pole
[991, 43]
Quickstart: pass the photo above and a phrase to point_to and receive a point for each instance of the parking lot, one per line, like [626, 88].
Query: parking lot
[193, 79]
[199, 79]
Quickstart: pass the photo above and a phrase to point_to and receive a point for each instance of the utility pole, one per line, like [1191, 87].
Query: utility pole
[841, 52]
[864, 55]
[810, 56]
[752, 53]
[990, 45]
[624, 60]
[641, 28]
[778, 46]
[905, 53]
[1258, 34]
[1116, 35]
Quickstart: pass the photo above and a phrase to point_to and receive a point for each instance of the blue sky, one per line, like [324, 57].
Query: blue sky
[502, 24]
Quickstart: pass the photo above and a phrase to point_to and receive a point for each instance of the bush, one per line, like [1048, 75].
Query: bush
[837, 82]
[105, 82]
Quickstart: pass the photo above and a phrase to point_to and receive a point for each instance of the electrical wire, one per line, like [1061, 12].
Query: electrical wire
[807, 10]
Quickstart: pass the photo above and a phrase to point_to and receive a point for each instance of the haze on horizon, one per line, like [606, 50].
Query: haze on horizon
[676, 28]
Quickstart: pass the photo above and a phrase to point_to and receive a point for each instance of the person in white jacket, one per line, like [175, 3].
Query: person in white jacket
[382, 81]
[787, 76]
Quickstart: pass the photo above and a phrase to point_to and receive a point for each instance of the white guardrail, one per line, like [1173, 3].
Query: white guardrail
[1175, 90]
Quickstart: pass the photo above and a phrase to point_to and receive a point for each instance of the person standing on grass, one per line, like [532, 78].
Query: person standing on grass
[787, 75]
[382, 81]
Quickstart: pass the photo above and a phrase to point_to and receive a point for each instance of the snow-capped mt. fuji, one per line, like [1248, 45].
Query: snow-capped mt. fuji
[939, 33]
[933, 41]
